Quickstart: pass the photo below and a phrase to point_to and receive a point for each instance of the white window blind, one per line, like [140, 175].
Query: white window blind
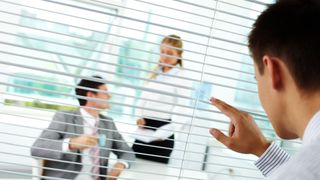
[47, 46]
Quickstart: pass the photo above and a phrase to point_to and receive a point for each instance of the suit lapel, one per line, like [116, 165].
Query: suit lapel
[102, 124]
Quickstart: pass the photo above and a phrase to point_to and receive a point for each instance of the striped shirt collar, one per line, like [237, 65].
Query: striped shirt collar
[312, 131]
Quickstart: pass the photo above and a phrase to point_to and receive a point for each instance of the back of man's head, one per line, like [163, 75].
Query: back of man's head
[289, 30]
[84, 84]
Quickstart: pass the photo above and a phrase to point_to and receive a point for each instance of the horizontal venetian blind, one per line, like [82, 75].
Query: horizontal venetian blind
[47, 46]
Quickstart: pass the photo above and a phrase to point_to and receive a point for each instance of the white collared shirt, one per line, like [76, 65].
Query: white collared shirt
[276, 164]
[88, 123]
[168, 107]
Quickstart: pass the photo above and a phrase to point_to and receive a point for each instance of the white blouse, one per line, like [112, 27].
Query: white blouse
[167, 105]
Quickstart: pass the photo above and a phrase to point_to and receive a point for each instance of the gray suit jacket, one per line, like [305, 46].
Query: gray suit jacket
[72, 122]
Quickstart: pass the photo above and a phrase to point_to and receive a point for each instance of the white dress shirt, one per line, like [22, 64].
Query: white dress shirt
[168, 107]
[276, 164]
[89, 122]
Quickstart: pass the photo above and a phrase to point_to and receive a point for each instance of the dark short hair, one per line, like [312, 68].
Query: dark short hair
[289, 30]
[86, 83]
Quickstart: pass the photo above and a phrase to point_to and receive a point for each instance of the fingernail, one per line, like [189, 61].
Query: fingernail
[213, 132]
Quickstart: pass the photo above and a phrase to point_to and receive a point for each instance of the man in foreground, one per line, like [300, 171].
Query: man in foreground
[285, 47]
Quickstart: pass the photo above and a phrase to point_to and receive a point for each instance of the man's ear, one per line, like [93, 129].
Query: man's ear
[90, 94]
[273, 68]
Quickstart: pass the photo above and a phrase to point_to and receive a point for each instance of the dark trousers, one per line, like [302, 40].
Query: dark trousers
[151, 151]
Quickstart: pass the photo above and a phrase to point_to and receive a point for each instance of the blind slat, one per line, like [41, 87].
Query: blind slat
[254, 112]
[132, 58]
[211, 46]
[27, 174]
[108, 158]
[105, 72]
[114, 64]
[116, 103]
[102, 22]
[62, 170]
[194, 125]
[129, 133]
[129, 169]
[188, 151]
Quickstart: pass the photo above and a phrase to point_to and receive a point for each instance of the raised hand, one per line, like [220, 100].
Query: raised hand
[244, 134]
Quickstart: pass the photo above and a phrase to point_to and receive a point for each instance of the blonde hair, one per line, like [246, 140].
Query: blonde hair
[176, 42]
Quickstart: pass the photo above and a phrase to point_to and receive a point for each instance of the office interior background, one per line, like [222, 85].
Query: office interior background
[47, 46]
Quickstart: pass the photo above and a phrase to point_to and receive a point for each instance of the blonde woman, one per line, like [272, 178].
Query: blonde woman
[160, 115]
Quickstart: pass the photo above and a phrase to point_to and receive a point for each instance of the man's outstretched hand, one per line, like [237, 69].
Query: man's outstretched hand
[244, 134]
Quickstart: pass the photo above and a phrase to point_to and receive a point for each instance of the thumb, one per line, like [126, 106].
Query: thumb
[219, 136]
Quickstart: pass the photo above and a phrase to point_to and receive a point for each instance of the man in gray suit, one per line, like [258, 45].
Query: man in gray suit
[70, 144]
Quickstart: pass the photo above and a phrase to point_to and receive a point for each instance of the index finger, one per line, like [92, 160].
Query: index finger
[225, 108]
